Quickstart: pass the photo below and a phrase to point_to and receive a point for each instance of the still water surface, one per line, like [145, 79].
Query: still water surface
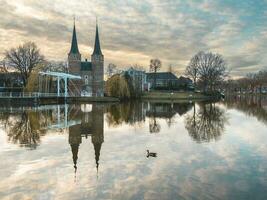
[96, 151]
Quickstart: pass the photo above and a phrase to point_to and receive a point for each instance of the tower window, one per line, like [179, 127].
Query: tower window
[86, 79]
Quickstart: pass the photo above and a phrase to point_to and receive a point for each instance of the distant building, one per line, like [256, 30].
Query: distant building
[92, 73]
[168, 81]
[139, 79]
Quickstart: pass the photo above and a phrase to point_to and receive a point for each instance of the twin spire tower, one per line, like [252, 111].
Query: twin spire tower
[92, 73]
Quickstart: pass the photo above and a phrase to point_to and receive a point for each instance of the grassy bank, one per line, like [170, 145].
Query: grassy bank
[30, 101]
[158, 95]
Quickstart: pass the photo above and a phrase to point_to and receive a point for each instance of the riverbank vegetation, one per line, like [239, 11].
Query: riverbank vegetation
[253, 83]
[119, 86]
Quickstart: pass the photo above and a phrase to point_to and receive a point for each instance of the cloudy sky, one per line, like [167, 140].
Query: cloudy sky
[134, 31]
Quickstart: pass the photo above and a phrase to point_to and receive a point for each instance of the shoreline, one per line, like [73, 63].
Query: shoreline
[176, 96]
[32, 101]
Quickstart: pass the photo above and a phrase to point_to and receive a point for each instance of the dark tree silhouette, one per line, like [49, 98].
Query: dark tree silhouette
[207, 123]
[192, 70]
[24, 59]
[208, 68]
[25, 128]
[155, 65]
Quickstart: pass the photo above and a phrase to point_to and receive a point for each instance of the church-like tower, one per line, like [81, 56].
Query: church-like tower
[92, 73]
[74, 56]
[97, 67]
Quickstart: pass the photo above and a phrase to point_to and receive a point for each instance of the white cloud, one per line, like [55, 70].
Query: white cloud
[139, 30]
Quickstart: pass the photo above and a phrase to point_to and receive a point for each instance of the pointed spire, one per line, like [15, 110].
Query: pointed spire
[97, 49]
[97, 147]
[75, 150]
[74, 44]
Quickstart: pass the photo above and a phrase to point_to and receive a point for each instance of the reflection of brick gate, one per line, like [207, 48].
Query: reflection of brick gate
[60, 76]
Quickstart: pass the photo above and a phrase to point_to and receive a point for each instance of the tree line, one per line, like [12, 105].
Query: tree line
[206, 69]
[251, 83]
[26, 59]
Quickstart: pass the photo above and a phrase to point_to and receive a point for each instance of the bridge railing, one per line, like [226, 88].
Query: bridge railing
[29, 94]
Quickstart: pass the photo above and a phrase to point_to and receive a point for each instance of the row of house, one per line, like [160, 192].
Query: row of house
[143, 81]
[10, 82]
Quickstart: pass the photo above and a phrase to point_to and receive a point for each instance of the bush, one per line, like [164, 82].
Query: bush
[119, 86]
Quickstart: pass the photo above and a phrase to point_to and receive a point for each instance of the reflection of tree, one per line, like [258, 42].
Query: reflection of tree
[207, 123]
[170, 121]
[129, 113]
[135, 112]
[165, 111]
[251, 105]
[154, 126]
[25, 128]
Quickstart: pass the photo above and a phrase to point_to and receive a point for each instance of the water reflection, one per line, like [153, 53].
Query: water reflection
[204, 121]
[129, 113]
[92, 124]
[207, 123]
[251, 105]
[137, 112]
[23, 127]
[134, 163]
[165, 111]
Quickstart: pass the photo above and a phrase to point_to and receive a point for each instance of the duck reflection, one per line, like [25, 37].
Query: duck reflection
[207, 123]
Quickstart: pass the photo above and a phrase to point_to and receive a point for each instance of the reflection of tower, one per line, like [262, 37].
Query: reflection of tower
[90, 120]
[75, 140]
[97, 131]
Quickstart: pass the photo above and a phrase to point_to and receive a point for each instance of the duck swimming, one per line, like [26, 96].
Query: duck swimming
[151, 154]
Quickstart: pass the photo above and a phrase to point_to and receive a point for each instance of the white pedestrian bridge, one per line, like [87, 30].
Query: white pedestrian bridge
[59, 76]
[43, 90]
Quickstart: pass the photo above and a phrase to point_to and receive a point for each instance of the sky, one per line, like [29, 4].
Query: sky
[135, 31]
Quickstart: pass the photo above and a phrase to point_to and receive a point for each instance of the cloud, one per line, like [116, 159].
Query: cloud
[140, 30]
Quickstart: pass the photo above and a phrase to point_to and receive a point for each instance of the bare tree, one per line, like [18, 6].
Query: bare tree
[208, 68]
[3, 67]
[155, 65]
[252, 81]
[138, 67]
[24, 59]
[55, 66]
[262, 79]
[192, 70]
[111, 69]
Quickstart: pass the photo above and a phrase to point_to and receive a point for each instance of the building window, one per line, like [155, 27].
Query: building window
[86, 79]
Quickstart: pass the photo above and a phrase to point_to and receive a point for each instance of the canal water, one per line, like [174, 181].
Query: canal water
[136, 150]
